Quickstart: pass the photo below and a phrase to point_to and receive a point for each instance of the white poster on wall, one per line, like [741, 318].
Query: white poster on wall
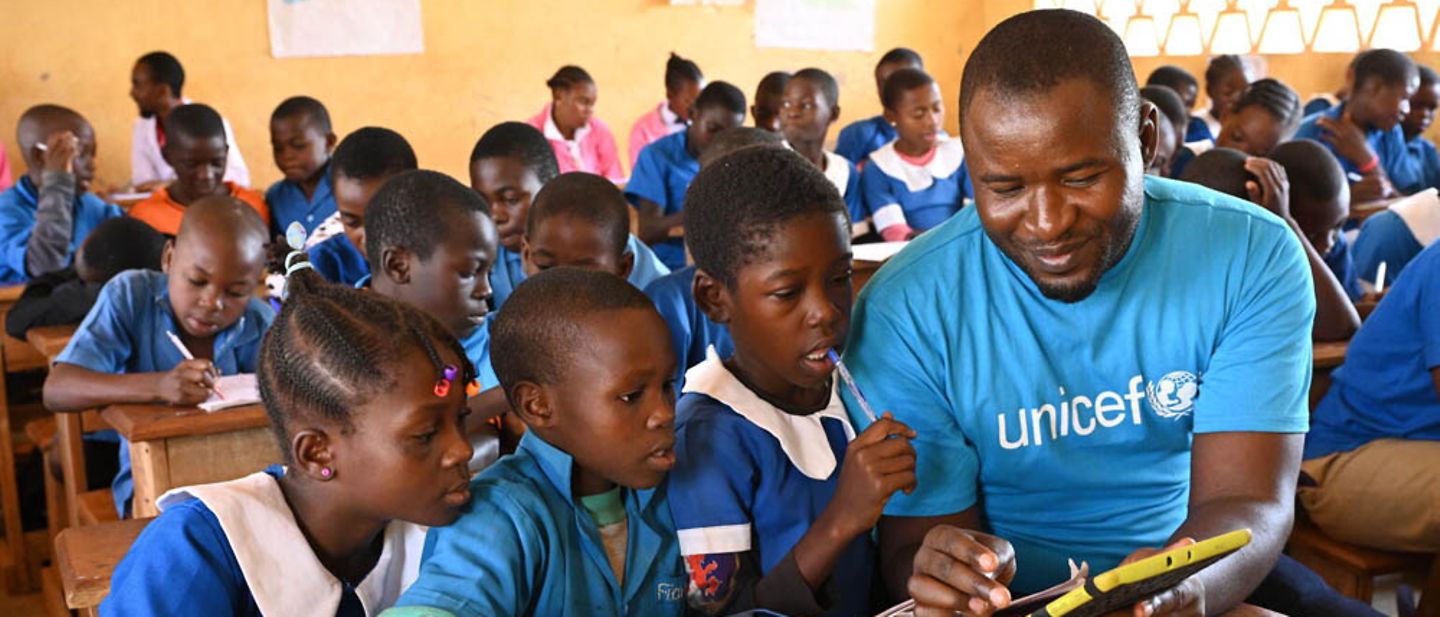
[832, 25]
[304, 28]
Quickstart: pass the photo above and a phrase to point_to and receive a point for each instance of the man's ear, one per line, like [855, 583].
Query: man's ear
[395, 264]
[532, 403]
[1149, 132]
[712, 296]
[312, 452]
[167, 255]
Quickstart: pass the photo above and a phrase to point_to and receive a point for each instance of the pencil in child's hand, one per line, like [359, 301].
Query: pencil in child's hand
[854, 389]
[185, 352]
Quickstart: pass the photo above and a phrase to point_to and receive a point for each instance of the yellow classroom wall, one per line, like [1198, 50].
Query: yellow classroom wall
[485, 61]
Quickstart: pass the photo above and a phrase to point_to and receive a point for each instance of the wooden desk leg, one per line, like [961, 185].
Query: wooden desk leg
[71, 450]
[150, 466]
[19, 575]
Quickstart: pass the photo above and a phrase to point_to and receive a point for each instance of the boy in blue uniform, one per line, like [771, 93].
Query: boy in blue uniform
[122, 352]
[1394, 236]
[919, 180]
[576, 522]
[1364, 131]
[582, 220]
[47, 214]
[301, 140]
[362, 163]
[369, 412]
[768, 515]
[811, 103]
[858, 139]
[665, 168]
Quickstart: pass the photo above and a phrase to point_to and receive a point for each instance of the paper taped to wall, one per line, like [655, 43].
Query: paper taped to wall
[832, 25]
[307, 28]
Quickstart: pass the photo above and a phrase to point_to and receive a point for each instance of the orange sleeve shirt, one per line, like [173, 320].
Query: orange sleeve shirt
[164, 214]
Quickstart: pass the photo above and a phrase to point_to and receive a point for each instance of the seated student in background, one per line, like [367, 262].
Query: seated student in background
[581, 141]
[1320, 205]
[47, 214]
[122, 352]
[65, 296]
[302, 141]
[581, 220]
[156, 83]
[1170, 131]
[374, 451]
[769, 95]
[1226, 77]
[1179, 81]
[576, 522]
[683, 81]
[1364, 132]
[811, 104]
[1264, 115]
[1265, 183]
[1422, 112]
[1372, 458]
[691, 331]
[773, 501]
[362, 163]
[658, 182]
[196, 148]
[919, 180]
[861, 137]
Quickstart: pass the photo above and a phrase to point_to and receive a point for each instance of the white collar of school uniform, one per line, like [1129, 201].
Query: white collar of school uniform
[949, 154]
[801, 437]
[552, 132]
[837, 170]
[1421, 213]
[283, 573]
[670, 118]
[1198, 148]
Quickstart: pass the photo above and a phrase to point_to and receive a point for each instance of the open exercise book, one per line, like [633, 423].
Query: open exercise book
[237, 390]
[1020, 606]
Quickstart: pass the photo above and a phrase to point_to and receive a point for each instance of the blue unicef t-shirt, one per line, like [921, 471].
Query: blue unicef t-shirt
[661, 175]
[1072, 423]
[1385, 389]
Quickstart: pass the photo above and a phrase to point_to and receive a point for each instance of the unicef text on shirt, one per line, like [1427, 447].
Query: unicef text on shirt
[1171, 397]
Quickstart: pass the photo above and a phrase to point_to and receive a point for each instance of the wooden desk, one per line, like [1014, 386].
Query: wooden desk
[10, 293]
[180, 446]
[50, 340]
[86, 556]
[1330, 355]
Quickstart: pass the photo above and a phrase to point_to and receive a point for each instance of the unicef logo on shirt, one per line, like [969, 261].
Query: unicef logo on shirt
[1173, 396]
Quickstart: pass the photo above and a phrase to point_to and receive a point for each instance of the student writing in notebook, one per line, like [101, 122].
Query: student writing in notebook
[197, 148]
[362, 163]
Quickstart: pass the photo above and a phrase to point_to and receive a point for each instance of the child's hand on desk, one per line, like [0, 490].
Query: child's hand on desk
[961, 570]
[189, 383]
[1186, 599]
[60, 152]
[875, 467]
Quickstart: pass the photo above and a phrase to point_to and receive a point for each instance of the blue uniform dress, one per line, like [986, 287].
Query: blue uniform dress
[661, 175]
[1198, 130]
[750, 477]
[288, 204]
[1395, 236]
[525, 546]
[898, 192]
[339, 261]
[1384, 390]
[1388, 145]
[691, 331]
[509, 270]
[125, 333]
[1342, 264]
[233, 548]
[846, 178]
[1070, 424]
[861, 137]
[1426, 162]
[17, 220]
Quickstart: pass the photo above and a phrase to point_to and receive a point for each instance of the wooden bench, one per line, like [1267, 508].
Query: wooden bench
[15, 356]
[86, 556]
[1349, 568]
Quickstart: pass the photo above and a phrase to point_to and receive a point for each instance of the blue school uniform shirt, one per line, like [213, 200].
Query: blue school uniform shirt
[1198, 130]
[477, 349]
[1071, 424]
[1389, 146]
[17, 220]
[750, 477]
[525, 546]
[1385, 390]
[509, 270]
[691, 331]
[926, 195]
[1342, 264]
[1385, 238]
[288, 204]
[661, 175]
[1425, 161]
[125, 333]
[339, 261]
[861, 137]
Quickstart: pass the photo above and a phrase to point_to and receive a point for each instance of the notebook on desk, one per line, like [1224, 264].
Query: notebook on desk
[234, 391]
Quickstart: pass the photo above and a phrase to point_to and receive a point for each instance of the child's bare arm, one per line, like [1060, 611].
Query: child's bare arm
[654, 225]
[71, 387]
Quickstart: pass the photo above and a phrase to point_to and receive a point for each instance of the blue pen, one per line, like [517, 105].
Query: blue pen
[854, 389]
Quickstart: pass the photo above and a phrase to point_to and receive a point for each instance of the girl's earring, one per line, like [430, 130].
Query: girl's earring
[326, 472]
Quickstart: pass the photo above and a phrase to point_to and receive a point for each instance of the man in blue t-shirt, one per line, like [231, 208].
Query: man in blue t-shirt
[1097, 364]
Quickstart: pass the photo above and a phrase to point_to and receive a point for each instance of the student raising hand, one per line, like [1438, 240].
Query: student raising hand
[61, 149]
[189, 383]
